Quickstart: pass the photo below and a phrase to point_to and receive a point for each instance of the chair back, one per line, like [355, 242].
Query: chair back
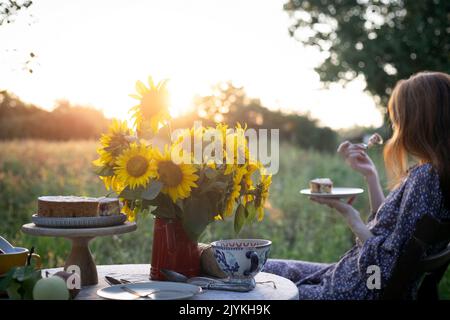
[412, 264]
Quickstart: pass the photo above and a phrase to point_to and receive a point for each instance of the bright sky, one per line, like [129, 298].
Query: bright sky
[92, 52]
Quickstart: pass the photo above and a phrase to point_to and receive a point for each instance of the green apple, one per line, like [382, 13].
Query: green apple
[53, 288]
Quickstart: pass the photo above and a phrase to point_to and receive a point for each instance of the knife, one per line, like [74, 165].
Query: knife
[113, 281]
[207, 282]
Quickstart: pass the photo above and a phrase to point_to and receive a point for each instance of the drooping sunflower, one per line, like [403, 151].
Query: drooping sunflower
[262, 193]
[113, 143]
[235, 190]
[135, 167]
[153, 108]
[247, 181]
[236, 149]
[178, 178]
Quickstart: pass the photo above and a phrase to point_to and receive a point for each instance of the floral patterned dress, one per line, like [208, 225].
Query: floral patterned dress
[392, 227]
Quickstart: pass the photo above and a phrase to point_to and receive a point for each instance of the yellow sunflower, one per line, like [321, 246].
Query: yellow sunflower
[113, 143]
[236, 190]
[131, 213]
[134, 167]
[153, 108]
[178, 179]
[262, 190]
[113, 183]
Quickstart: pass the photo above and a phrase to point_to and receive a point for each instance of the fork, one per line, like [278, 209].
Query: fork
[147, 294]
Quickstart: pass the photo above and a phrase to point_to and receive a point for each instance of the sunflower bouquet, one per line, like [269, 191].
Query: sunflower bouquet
[171, 181]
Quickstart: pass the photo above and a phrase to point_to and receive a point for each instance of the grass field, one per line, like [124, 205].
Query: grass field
[298, 228]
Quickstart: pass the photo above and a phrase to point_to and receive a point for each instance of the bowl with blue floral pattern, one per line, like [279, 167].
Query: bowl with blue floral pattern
[241, 259]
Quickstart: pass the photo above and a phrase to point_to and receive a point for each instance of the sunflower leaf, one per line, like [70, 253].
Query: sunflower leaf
[104, 171]
[197, 215]
[152, 191]
[164, 212]
[251, 212]
[165, 208]
[239, 218]
[131, 194]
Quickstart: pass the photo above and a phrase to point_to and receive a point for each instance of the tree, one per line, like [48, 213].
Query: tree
[20, 120]
[382, 40]
[9, 8]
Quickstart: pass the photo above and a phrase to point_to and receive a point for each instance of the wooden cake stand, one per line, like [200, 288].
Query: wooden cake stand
[80, 254]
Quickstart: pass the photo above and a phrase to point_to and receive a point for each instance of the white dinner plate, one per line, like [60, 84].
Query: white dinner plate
[166, 290]
[336, 193]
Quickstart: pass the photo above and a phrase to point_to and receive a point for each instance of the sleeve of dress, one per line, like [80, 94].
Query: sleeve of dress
[421, 196]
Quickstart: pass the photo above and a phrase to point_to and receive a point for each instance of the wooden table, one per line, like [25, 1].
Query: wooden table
[285, 289]
[80, 255]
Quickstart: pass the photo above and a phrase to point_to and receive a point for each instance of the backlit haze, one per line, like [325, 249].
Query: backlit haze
[92, 52]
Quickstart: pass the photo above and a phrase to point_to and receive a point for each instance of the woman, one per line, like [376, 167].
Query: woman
[419, 110]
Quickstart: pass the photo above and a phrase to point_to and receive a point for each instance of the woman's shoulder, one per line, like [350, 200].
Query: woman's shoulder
[423, 186]
[423, 172]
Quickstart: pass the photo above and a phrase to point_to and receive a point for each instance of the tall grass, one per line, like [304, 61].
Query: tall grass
[298, 228]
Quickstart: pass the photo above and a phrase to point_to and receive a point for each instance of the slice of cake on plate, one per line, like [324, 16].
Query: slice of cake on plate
[375, 139]
[321, 185]
[73, 206]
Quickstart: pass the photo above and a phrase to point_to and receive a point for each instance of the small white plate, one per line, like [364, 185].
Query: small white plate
[336, 193]
[179, 291]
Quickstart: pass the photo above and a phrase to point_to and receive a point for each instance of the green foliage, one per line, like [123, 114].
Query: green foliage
[19, 282]
[384, 41]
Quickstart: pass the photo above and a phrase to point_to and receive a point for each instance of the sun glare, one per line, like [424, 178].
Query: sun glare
[181, 98]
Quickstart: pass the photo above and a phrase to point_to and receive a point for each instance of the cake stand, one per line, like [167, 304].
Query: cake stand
[80, 254]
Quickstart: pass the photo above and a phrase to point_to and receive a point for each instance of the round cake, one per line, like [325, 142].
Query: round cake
[73, 206]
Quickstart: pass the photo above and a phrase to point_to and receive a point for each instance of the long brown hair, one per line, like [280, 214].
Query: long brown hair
[419, 110]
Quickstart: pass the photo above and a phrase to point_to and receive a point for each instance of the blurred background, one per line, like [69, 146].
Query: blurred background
[320, 71]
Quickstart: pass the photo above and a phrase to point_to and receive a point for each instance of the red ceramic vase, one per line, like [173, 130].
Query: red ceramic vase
[173, 250]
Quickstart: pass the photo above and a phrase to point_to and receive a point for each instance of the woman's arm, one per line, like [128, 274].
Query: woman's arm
[376, 195]
[356, 157]
[351, 215]
[358, 227]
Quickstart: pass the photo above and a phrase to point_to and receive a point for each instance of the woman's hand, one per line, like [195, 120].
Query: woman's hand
[350, 214]
[356, 157]
[344, 208]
